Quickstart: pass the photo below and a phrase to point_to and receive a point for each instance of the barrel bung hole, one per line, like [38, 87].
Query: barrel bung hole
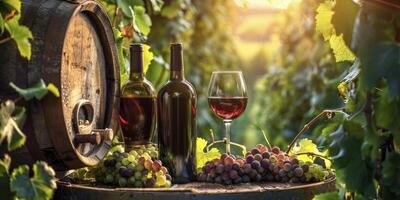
[85, 114]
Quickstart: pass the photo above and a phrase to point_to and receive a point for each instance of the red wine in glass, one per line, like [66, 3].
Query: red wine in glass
[227, 107]
[227, 98]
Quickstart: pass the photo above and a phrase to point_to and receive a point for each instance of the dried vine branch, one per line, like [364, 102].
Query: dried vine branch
[328, 113]
[5, 40]
[224, 140]
[116, 16]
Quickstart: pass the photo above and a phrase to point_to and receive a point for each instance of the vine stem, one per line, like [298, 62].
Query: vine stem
[324, 113]
[224, 141]
[265, 135]
[212, 135]
[114, 23]
[5, 40]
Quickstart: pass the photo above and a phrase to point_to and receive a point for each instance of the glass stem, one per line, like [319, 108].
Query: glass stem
[228, 135]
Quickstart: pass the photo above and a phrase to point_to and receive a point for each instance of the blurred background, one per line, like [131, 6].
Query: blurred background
[290, 72]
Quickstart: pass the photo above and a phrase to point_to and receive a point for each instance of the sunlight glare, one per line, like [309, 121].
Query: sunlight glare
[278, 4]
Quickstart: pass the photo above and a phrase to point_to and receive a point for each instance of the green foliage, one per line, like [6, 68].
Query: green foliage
[297, 84]
[21, 35]
[323, 21]
[387, 113]
[38, 187]
[201, 155]
[10, 119]
[131, 24]
[374, 42]
[9, 19]
[351, 166]
[308, 146]
[12, 4]
[18, 184]
[342, 12]
[37, 91]
[172, 9]
[6, 192]
[391, 176]
[367, 140]
[142, 20]
[327, 196]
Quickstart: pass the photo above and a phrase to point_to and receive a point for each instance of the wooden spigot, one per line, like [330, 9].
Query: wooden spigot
[94, 138]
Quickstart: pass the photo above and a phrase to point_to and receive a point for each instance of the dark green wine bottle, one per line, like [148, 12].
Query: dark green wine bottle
[177, 121]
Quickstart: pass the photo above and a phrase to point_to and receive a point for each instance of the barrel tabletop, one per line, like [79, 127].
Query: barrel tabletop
[253, 191]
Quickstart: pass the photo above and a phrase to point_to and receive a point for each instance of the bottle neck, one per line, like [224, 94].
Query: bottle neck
[136, 76]
[136, 61]
[177, 69]
[177, 75]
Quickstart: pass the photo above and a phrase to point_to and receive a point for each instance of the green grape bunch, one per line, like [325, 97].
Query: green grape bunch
[139, 167]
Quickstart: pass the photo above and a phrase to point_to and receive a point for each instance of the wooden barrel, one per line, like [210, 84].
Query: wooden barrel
[198, 191]
[73, 48]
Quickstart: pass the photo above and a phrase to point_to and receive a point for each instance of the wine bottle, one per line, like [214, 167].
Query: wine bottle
[138, 107]
[177, 121]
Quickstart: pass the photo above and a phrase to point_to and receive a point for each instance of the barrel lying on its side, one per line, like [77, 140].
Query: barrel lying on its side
[73, 48]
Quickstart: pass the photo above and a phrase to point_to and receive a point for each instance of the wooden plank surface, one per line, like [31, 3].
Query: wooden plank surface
[198, 191]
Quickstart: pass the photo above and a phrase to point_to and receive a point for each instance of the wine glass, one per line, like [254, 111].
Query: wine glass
[227, 98]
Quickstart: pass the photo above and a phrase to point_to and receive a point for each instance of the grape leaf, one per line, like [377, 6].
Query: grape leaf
[327, 196]
[40, 186]
[38, 91]
[21, 35]
[345, 12]
[13, 4]
[5, 164]
[376, 47]
[172, 9]
[323, 20]
[53, 89]
[156, 5]
[340, 50]
[391, 176]
[387, 113]
[142, 20]
[201, 156]
[1, 24]
[350, 165]
[343, 91]
[381, 60]
[5, 178]
[307, 146]
[125, 6]
[10, 119]
[323, 24]
[148, 57]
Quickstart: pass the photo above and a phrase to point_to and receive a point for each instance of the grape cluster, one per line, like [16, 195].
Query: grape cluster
[261, 164]
[138, 168]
